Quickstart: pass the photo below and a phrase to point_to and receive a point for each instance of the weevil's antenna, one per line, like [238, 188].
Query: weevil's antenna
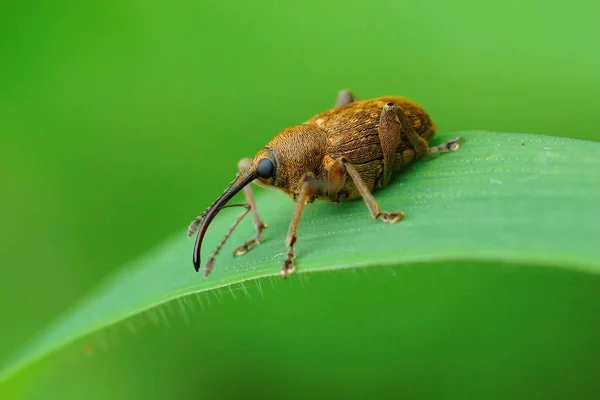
[211, 261]
[195, 224]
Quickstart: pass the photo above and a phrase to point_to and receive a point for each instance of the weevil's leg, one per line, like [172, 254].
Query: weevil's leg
[368, 196]
[308, 189]
[211, 262]
[344, 97]
[419, 143]
[336, 177]
[408, 156]
[389, 137]
[450, 145]
[243, 165]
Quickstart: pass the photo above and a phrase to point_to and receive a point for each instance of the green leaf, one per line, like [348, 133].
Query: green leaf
[509, 198]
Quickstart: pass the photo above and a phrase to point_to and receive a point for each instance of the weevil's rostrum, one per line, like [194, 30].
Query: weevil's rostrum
[344, 153]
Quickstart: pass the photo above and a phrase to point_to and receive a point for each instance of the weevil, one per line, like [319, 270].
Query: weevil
[342, 154]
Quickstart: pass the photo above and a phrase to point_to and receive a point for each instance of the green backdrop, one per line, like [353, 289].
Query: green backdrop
[121, 121]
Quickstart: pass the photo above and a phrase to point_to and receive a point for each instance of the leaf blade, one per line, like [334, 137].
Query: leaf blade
[505, 197]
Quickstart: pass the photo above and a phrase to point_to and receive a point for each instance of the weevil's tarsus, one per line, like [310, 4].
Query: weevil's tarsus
[259, 225]
[209, 265]
[242, 179]
[247, 246]
[408, 156]
[244, 248]
[450, 145]
[345, 97]
[364, 191]
[308, 189]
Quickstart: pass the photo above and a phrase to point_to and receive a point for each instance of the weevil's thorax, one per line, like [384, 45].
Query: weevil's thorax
[297, 150]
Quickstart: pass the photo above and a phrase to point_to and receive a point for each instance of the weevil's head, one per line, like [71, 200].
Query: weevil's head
[295, 151]
[280, 164]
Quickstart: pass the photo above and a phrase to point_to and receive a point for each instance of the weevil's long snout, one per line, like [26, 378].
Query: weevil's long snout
[242, 179]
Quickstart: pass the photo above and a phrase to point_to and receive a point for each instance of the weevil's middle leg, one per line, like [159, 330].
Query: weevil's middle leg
[367, 196]
[344, 97]
[260, 226]
[308, 189]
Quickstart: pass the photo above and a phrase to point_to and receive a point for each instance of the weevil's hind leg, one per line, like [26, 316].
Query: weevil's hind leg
[260, 226]
[367, 196]
[450, 145]
[416, 141]
[344, 97]
[389, 136]
[308, 189]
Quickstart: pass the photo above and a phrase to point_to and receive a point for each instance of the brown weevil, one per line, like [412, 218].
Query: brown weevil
[342, 154]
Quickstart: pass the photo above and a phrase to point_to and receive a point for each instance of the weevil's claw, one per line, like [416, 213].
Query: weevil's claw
[289, 267]
[243, 249]
[209, 267]
[392, 218]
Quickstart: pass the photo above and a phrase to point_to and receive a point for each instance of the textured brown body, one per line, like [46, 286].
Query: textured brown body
[350, 131]
[344, 153]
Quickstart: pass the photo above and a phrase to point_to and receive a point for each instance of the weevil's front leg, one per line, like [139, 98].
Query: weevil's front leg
[450, 145]
[368, 196]
[308, 188]
[260, 226]
[336, 177]
[344, 97]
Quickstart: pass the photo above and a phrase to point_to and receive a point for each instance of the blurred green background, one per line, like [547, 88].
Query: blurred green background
[121, 121]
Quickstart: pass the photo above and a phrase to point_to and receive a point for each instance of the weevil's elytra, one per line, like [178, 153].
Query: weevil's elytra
[345, 153]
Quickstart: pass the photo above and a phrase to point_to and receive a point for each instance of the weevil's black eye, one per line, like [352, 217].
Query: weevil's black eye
[265, 168]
